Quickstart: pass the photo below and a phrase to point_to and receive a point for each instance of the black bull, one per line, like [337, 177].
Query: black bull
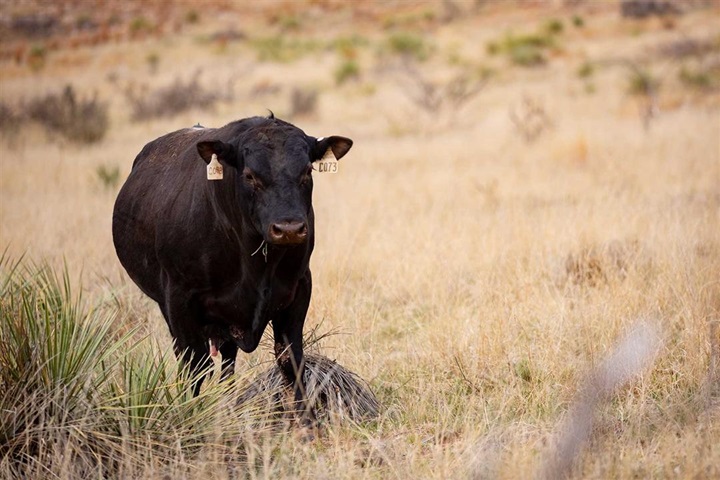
[223, 258]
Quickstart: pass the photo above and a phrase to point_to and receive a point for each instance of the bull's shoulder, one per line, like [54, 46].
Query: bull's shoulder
[171, 146]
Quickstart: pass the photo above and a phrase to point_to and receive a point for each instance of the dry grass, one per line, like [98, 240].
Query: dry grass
[331, 390]
[479, 281]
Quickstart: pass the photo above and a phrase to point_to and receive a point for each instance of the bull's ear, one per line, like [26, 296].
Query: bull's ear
[224, 151]
[338, 145]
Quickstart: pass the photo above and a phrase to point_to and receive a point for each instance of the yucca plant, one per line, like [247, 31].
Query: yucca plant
[50, 347]
[151, 398]
[78, 397]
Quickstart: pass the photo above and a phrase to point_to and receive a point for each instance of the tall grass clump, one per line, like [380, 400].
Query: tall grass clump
[79, 397]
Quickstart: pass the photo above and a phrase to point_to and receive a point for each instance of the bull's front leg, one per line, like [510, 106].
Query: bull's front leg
[190, 347]
[287, 329]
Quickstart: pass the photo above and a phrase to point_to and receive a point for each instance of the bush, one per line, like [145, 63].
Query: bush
[525, 50]
[642, 82]
[78, 397]
[10, 119]
[170, 100]
[347, 47]
[348, 70]
[288, 22]
[140, 26]
[37, 57]
[303, 101]
[527, 55]
[281, 49]
[528, 50]
[409, 45]
[153, 61]
[493, 48]
[108, 176]
[192, 17]
[81, 120]
[554, 26]
[586, 70]
[700, 79]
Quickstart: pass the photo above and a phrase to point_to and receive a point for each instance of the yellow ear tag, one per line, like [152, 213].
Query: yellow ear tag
[328, 163]
[214, 169]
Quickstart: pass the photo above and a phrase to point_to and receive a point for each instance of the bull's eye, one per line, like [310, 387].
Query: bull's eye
[307, 175]
[251, 179]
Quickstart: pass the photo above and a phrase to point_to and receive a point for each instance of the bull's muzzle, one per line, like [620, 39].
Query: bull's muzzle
[287, 233]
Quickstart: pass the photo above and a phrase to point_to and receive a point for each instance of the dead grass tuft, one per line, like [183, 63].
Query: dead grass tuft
[333, 391]
[600, 264]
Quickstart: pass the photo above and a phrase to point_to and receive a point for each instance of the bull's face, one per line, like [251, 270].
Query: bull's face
[273, 176]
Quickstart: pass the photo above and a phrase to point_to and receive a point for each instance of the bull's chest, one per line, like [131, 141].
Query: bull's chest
[238, 304]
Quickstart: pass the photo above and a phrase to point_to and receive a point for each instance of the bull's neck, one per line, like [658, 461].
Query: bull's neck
[224, 201]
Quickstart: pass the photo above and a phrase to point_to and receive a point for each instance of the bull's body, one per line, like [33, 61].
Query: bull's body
[223, 258]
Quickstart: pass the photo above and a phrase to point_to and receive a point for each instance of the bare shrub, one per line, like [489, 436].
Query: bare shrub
[434, 96]
[81, 120]
[264, 88]
[172, 99]
[303, 101]
[530, 119]
[35, 25]
[648, 8]
[451, 11]
[10, 119]
[643, 84]
[684, 47]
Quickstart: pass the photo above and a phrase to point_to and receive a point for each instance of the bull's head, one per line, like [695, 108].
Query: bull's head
[273, 162]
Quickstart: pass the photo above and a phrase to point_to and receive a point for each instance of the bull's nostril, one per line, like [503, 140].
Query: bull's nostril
[276, 231]
[288, 232]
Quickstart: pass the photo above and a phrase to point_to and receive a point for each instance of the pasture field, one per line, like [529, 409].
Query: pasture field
[520, 254]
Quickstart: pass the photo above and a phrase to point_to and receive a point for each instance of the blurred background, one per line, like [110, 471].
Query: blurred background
[85, 84]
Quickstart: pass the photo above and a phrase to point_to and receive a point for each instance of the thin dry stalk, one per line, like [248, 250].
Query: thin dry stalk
[629, 358]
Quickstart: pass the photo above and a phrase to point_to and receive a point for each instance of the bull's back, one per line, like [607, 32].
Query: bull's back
[143, 201]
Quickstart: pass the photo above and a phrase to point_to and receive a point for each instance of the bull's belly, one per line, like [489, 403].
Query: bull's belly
[136, 254]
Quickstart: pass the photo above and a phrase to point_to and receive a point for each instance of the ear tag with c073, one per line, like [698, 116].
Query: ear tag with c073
[214, 169]
[328, 163]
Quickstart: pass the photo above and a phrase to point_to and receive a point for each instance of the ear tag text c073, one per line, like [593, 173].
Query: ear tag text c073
[328, 163]
[214, 169]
